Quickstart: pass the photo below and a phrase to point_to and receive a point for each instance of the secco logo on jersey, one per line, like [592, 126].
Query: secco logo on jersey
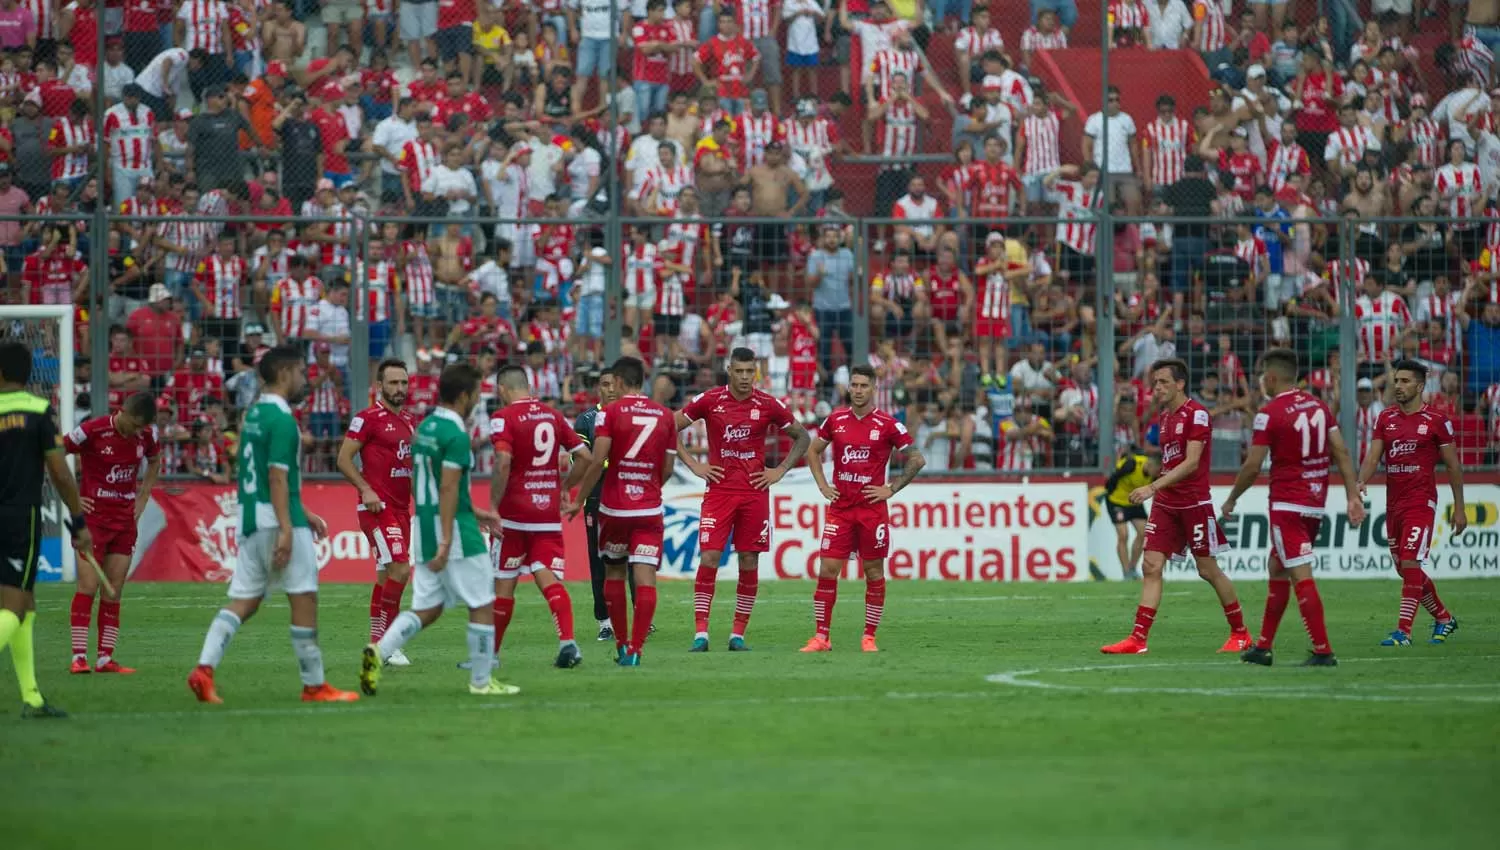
[737, 432]
[120, 474]
[1401, 448]
[1171, 451]
[857, 455]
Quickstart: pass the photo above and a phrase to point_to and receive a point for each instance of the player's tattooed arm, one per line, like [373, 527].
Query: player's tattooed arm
[912, 463]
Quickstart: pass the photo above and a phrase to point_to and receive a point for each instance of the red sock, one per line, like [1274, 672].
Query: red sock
[1236, 616]
[83, 611]
[1278, 593]
[1431, 602]
[504, 608]
[1144, 617]
[744, 600]
[703, 597]
[558, 600]
[1311, 606]
[377, 612]
[823, 599]
[874, 605]
[619, 611]
[109, 626]
[645, 609]
[1412, 582]
[390, 593]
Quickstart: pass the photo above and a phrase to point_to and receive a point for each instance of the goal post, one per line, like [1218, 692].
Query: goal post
[47, 329]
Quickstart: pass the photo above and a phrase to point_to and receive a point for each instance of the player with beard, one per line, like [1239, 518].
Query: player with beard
[737, 503]
[381, 436]
[1411, 438]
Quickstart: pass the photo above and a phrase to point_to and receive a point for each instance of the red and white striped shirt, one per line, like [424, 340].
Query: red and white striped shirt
[1034, 39]
[1076, 208]
[755, 19]
[755, 132]
[670, 298]
[994, 295]
[1381, 320]
[1462, 187]
[546, 382]
[1043, 151]
[975, 43]
[130, 137]
[337, 252]
[1473, 56]
[1013, 455]
[419, 281]
[1284, 161]
[666, 184]
[690, 234]
[326, 397]
[1250, 251]
[1364, 423]
[194, 237]
[276, 266]
[203, 24]
[417, 159]
[890, 62]
[641, 268]
[899, 137]
[885, 382]
[814, 141]
[67, 133]
[221, 280]
[1213, 30]
[44, 13]
[1489, 402]
[1348, 145]
[1442, 308]
[380, 280]
[1128, 15]
[292, 305]
[1169, 142]
[680, 62]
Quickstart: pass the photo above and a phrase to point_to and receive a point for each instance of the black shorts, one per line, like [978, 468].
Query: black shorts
[665, 325]
[1121, 514]
[899, 328]
[1079, 267]
[20, 546]
[771, 244]
[890, 185]
[451, 41]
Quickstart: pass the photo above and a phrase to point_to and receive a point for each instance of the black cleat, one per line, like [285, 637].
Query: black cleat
[1256, 655]
[568, 657]
[45, 711]
[1320, 659]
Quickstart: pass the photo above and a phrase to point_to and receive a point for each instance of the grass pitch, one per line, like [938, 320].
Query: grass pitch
[990, 720]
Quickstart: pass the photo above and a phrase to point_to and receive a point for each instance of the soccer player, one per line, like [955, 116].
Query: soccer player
[452, 561]
[859, 521]
[1300, 434]
[1182, 520]
[737, 503]
[634, 448]
[1411, 437]
[609, 391]
[527, 496]
[1132, 470]
[381, 436]
[276, 531]
[111, 449]
[29, 445]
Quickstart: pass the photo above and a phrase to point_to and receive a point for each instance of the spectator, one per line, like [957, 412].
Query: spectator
[830, 271]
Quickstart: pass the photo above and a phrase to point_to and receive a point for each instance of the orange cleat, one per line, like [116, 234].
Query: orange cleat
[80, 665]
[818, 644]
[113, 666]
[327, 693]
[1129, 646]
[867, 644]
[201, 683]
[1238, 642]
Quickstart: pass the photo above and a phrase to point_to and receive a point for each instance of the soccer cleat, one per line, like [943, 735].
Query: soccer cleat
[652, 630]
[1320, 659]
[619, 653]
[1129, 646]
[398, 659]
[113, 666]
[45, 711]
[494, 689]
[1440, 631]
[1238, 642]
[1256, 655]
[867, 644]
[737, 644]
[1397, 638]
[700, 644]
[568, 657]
[369, 670]
[606, 631]
[80, 665]
[327, 693]
[818, 643]
[632, 659]
[201, 683]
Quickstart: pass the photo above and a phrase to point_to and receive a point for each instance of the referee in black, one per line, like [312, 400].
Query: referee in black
[29, 443]
[609, 391]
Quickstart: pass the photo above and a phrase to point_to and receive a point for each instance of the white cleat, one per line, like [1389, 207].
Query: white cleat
[398, 659]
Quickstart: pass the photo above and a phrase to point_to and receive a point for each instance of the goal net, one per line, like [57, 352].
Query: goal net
[48, 331]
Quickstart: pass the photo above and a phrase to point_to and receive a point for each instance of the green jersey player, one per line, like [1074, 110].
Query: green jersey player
[452, 560]
[276, 533]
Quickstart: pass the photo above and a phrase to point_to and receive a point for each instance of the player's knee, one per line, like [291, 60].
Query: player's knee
[1153, 564]
[749, 561]
[1208, 569]
[398, 572]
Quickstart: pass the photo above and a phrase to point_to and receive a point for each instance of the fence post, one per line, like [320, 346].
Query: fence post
[359, 320]
[1348, 338]
[860, 299]
[98, 309]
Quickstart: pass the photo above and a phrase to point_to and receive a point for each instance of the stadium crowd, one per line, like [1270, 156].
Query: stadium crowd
[449, 164]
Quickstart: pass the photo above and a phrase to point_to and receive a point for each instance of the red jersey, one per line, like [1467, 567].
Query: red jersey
[1411, 442]
[862, 448]
[993, 184]
[652, 68]
[421, 393]
[532, 433]
[111, 466]
[471, 104]
[737, 433]
[50, 277]
[1295, 425]
[727, 60]
[1187, 424]
[643, 440]
[189, 389]
[125, 366]
[385, 438]
[1243, 170]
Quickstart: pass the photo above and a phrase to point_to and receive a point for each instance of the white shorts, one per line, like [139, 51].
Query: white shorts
[253, 574]
[417, 20]
[759, 343]
[522, 249]
[470, 581]
[645, 300]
